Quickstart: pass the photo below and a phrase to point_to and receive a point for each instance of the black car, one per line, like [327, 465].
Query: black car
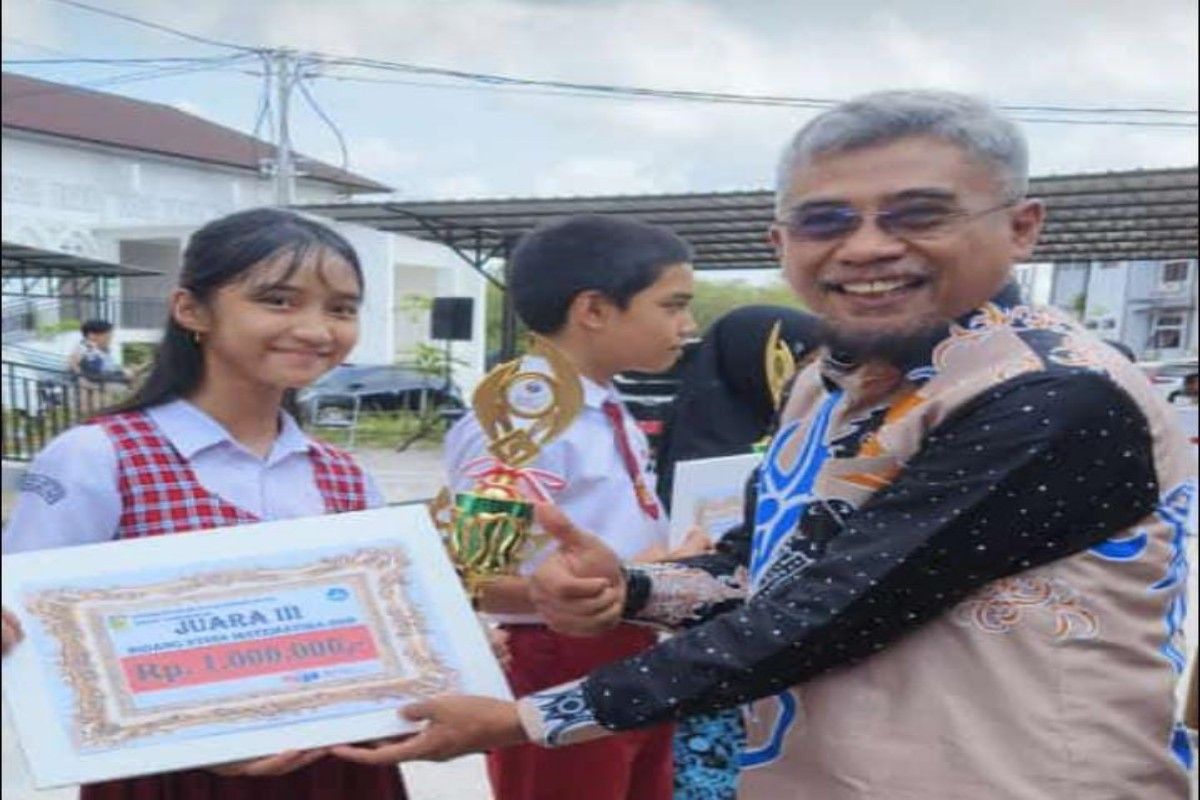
[381, 387]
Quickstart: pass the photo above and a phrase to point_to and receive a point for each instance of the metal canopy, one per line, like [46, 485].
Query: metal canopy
[1114, 216]
[19, 261]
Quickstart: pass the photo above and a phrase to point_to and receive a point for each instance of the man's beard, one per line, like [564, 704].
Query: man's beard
[891, 346]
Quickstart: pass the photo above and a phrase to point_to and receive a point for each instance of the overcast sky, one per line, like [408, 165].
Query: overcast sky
[471, 141]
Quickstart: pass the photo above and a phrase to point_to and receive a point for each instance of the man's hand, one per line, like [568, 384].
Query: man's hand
[457, 725]
[579, 589]
[12, 631]
[279, 764]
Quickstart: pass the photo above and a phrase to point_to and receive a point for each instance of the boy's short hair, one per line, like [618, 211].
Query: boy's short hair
[95, 326]
[616, 256]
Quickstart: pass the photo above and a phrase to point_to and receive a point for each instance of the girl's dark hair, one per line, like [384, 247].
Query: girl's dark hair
[220, 253]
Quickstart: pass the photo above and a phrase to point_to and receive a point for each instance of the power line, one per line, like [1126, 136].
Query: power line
[302, 84]
[675, 94]
[687, 94]
[152, 25]
[598, 89]
[520, 87]
[214, 63]
[106, 61]
[35, 46]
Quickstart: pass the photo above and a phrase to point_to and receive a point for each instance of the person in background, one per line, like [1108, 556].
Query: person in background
[267, 302]
[610, 294]
[92, 358]
[1189, 393]
[725, 406]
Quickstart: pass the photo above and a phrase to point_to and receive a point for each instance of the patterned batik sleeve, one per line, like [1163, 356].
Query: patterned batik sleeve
[1013, 480]
[681, 594]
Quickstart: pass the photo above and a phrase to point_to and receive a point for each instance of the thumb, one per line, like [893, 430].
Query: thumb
[554, 522]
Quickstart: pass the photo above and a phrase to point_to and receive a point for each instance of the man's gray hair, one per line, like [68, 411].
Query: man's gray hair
[883, 117]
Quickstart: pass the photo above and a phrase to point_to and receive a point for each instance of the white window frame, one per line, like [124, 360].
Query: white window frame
[1165, 285]
[1157, 327]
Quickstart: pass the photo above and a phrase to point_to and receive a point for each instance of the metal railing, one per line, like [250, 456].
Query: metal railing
[26, 319]
[36, 404]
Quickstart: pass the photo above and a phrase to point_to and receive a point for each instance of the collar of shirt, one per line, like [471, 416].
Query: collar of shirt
[915, 365]
[595, 395]
[190, 431]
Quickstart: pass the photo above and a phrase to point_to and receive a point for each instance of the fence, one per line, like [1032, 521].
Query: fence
[25, 319]
[37, 403]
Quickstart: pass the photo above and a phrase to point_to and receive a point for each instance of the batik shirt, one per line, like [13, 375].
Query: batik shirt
[960, 576]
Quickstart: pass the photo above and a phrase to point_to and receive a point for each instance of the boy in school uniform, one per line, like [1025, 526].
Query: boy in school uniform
[612, 294]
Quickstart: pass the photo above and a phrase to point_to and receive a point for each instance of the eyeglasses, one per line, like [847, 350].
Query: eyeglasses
[909, 220]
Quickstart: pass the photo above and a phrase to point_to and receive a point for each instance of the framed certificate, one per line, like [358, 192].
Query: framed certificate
[157, 654]
[709, 492]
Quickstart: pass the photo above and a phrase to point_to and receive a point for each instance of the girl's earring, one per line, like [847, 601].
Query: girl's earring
[196, 337]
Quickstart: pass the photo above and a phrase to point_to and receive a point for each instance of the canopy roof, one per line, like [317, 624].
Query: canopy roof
[20, 261]
[1112, 216]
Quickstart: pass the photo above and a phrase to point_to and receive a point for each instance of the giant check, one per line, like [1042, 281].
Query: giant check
[157, 654]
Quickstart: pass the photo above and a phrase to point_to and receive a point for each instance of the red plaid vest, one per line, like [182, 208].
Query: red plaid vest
[160, 493]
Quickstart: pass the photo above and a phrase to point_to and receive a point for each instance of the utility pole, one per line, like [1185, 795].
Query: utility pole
[285, 165]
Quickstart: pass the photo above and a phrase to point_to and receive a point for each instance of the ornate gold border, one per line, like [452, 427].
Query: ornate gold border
[88, 664]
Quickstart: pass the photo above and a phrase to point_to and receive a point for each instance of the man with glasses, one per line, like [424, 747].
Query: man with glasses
[962, 569]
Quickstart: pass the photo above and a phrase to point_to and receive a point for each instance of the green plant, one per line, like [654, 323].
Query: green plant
[48, 329]
[391, 429]
[137, 354]
[432, 360]
[414, 305]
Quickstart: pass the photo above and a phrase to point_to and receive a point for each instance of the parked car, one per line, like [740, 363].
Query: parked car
[380, 387]
[1167, 376]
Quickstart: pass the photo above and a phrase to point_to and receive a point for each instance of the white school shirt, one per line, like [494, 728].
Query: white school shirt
[69, 495]
[598, 497]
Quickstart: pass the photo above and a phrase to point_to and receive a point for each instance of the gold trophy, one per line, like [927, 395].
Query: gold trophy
[780, 366]
[488, 529]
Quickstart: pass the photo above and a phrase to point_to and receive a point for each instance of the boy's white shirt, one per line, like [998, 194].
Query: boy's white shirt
[82, 464]
[598, 497]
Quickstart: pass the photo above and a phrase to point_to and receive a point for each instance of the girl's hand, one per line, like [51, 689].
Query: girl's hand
[280, 764]
[12, 631]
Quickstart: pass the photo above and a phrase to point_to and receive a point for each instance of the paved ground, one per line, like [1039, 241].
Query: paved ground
[407, 476]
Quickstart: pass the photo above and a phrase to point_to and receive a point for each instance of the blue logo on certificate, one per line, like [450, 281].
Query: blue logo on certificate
[337, 593]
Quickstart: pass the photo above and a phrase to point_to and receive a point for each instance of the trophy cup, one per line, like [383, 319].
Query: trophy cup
[487, 529]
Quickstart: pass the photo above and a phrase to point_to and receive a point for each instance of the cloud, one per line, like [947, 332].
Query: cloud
[462, 142]
[586, 175]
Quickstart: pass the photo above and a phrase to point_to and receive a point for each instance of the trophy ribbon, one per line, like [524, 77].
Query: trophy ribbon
[538, 482]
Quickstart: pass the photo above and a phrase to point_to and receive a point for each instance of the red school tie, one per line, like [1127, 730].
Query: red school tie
[612, 410]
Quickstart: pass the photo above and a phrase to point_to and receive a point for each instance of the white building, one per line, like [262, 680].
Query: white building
[1150, 306]
[124, 180]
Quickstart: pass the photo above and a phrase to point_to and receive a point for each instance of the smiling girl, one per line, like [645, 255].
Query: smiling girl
[267, 302]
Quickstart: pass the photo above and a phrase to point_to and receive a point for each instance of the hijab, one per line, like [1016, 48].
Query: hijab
[724, 404]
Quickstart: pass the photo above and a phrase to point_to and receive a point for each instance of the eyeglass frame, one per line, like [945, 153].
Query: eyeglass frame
[880, 217]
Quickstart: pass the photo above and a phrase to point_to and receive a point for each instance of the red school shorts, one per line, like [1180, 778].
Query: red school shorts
[635, 765]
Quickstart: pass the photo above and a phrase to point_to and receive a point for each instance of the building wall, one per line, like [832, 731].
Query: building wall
[1069, 287]
[1105, 304]
[61, 195]
[1121, 300]
[139, 209]
[1148, 297]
